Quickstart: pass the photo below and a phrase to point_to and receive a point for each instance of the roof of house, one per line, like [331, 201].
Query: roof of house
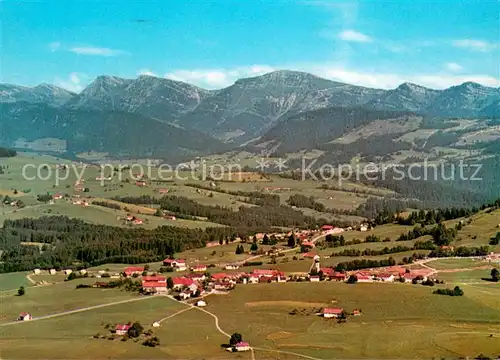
[199, 267]
[153, 284]
[154, 278]
[242, 344]
[176, 261]
[219, 276]
[307, 243]
[24, 314]
[385, 275]
[261, 272]
[339, 274]
[327, 227]
[134, 269]
[122, 327]
[327, 271]
[309, 255]
[182, 281]
[332, 310]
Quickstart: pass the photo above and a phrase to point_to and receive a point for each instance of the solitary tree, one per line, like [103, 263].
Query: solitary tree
[353, 279]
[291, 241]
[21, 291]
[170, 283]
[495, 275]
[135, 330]
[235, 338]
[254, 247]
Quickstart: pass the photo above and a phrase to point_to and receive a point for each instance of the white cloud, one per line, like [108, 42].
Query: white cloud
[72, 83]
[96, 51]
[74, 78]
[452, 66]
[474, 45]
[355, 36]
[218, 78]
[146, 72]
[54, 46]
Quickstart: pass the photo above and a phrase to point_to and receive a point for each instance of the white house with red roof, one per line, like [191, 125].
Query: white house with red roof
[131, 270]
[154, 286]
[314, 278]
[176, 264]
[182, 282]
[199, 268]
[364, 277]
[332, 312]
[57, 196]
[24, 316]
[266, 273]
[122, 329]
[196, 276]
[386, 277]
[242, 346]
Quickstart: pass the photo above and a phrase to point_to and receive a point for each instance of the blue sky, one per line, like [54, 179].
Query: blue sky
[212, 43]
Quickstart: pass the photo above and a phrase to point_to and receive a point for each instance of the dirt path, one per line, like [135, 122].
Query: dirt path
[174, 314]
[30, 279]
[77, 311]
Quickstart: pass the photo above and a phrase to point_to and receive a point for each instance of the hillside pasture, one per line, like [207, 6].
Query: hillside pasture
[59, 338]
[398, 320]
[51, 299]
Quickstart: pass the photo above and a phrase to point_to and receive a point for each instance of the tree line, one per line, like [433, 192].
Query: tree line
[72, 243]
[6, 153]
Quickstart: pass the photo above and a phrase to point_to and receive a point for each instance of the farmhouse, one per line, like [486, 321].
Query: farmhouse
[356, 312]
[36, 271]
[140, 183]
[182, 282]
[338, 276]
[57, 196]
[176, 264]
[219, 276]
[242, 346]
[314, 278]
[327, 227]
[131, 270]
[231, 267]
[196, 276]
[154, 286]
[199, 268]
[363, 277]
[155, 278]
[201, 303]
[307, 244]
[266, 273]
[24, 316]
[169, 217]
[138, 221]
[52, 271]
[163, 191]
[332, 312]
[122, 329]
[386, 277]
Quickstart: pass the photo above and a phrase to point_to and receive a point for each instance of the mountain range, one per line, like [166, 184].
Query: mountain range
[151, 115]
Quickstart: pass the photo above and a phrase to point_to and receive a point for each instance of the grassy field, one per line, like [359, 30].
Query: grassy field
[483, 227]
[399, 320]
[50, 299]
[11, 281]
[443, 264]
[70, 337]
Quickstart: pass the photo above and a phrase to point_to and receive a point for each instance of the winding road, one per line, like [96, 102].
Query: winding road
[69, 312]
